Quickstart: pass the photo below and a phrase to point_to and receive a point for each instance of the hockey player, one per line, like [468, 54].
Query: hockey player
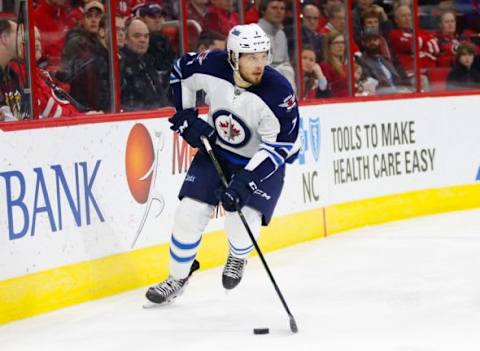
[253, 128]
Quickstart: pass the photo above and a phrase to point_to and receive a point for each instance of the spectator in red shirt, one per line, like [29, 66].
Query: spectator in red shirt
[52, 101]
[448, 39]
[336, 23]
[221, 17]
[401, 40]
[52, 20]
[196, 10]
[336, 19]
[252, 14]
[334, 67]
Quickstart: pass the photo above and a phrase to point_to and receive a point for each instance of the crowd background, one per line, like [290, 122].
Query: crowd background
[325, 48]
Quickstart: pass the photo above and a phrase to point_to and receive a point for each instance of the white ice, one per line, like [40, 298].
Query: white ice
[412, 285]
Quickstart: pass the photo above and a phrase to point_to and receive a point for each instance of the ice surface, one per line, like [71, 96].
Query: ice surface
[406, 286]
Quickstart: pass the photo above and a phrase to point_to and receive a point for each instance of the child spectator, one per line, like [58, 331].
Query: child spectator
[314, 82]
[364, 85]
[464, 75]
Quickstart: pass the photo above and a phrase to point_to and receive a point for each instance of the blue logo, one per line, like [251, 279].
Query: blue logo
[236, 32]
[478, 174]
[311, 139]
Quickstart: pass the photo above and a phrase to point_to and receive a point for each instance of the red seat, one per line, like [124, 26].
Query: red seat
[438, 78]
[171, 30]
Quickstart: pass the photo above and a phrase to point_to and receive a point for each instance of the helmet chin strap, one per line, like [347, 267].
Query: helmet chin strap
[239, 81]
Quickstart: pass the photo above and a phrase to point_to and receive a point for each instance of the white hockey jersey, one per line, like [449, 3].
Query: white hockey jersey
[256, 127]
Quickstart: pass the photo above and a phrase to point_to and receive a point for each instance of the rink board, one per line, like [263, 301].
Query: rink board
[70, 210]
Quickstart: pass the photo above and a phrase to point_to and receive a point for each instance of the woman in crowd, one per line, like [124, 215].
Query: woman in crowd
[334, 67]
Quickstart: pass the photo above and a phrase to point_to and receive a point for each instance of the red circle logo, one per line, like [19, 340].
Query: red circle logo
[139, 162]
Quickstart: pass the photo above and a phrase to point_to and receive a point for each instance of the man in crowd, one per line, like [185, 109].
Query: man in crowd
[85, 61]
[311, 18]
[141, 86]
[12, 106]
[272, 14]
[377, 66]
[159, 47]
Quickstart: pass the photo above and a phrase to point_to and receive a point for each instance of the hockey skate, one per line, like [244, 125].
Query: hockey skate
[168, 290]
[233, 271]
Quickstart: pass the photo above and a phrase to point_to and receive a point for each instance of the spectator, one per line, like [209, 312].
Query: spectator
[159, 47]
[273, 14]
[334, 67]
[141, 84]
[197, 10]
[448, 38]
[314, 81]
[364, 85]
[378, 67]
[401, 40]
[310, 20]
[120, 30]
[362, 6]
[464, 75]
[85, 62]
[52, 20]
[371, 21]
[252, 14]
[220, 17]
[12, 106]
[52, 101]
[336, 23]
[211, 41]
[93, 12]
[336, 19]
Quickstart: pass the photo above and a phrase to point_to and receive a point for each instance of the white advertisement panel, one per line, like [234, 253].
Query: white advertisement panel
[80, 192]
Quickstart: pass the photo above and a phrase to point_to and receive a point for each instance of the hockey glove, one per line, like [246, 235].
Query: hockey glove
[191, 128]
[242, 186]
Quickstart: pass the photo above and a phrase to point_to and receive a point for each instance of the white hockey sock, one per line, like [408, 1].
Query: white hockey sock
[239, 241]
[191, 218]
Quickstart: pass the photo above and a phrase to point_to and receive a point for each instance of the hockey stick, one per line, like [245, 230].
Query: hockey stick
[216, 164]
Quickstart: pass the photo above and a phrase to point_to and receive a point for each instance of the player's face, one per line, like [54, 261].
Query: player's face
[252, 66]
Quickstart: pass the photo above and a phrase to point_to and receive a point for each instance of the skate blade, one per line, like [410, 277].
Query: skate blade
[148, 305]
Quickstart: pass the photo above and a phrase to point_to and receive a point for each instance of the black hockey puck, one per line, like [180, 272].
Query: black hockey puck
[260, 331]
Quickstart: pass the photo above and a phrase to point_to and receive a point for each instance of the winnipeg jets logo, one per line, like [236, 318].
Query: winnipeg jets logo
[231, 129]
[289, 103]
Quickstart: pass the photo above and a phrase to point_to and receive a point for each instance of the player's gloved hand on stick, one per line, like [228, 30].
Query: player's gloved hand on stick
[242, 186]
[191, 127]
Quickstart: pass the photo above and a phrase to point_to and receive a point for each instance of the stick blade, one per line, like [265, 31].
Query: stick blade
[293, 325]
